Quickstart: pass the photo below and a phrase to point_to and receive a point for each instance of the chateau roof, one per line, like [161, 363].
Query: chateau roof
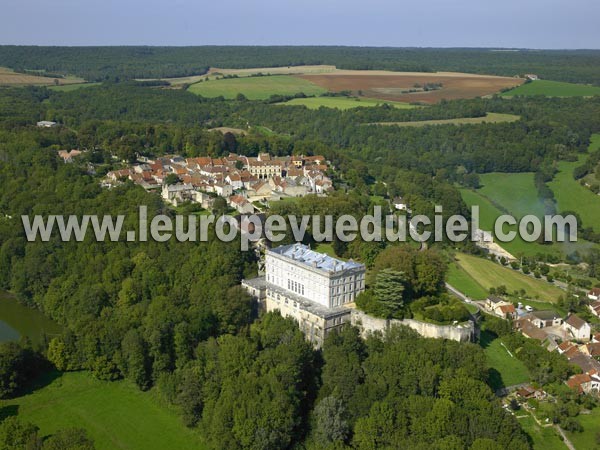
[303, 254]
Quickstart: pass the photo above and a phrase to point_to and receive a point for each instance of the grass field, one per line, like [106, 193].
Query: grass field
[465, 283]
[513, 192]
[116, 415]
[553, 89]
[73, 87]
[543, 438]
[571, 196]
[508, 369]
[488, 118]
[256, 88]
[488, 213]
[343, 102]
[487, 274]
[586, 440]
[9, 77]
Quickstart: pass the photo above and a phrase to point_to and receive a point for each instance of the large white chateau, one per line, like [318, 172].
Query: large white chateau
[310, 287]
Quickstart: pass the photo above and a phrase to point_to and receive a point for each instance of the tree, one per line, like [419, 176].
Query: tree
[18, 435]
[330, 422]
[171, 179]
[389, 289]
[219, 206]
[69, 439]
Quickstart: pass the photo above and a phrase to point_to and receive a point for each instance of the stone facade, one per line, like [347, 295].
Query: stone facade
[311, 288]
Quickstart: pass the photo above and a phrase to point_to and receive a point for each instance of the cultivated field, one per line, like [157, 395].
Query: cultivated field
[393, 86]
[488, 118]
[9, 77]
[256, 88]
[571, 196]
[553, 89]
[342, 102]
[116, 415]
[488, 274]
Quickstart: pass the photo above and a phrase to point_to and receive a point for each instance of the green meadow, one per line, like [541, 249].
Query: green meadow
[474, 276]
[543, 438]
[515, 194]
[255, 88]
[572, 196]
[553, 89]
[587, 439]
[116, 415]
[508, 370]
[343, 102]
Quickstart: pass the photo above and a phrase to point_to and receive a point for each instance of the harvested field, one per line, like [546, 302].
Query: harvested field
[393, 86]
[10, 78]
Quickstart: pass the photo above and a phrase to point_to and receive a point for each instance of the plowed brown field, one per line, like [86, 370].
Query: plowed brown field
[392, 85]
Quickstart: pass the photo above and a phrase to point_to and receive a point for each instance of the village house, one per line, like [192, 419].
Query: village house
[592, 349]
[528, 392]
[585, 383]
[594, 294]
[241, 204]
[176, 194]
[500, 307]
[577, 327]
[543, 319]
[595, 308]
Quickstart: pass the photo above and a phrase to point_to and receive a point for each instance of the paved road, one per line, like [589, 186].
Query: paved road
[462, 296]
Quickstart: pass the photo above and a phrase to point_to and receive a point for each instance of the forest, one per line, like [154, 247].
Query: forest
[112, 63]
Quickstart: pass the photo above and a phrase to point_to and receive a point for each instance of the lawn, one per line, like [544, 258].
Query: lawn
[116, 415]
[586, 440]
[256, 88]
[571, 196]
[488, 118]
[488, 274]
[465, 283]
[508, 370]
[342, 102]
[553, 89]
[543, 438]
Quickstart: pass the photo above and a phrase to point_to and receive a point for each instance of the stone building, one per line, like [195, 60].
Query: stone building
[311, 288]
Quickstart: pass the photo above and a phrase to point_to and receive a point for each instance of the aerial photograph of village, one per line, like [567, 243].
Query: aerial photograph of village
[299, 225]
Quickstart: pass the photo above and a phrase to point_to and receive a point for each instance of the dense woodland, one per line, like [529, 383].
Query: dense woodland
[104, 63]
[172, 317]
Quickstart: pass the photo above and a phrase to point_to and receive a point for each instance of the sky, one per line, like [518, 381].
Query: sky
[396, 23]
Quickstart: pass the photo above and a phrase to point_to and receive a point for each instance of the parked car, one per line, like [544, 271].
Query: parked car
[528, 308]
